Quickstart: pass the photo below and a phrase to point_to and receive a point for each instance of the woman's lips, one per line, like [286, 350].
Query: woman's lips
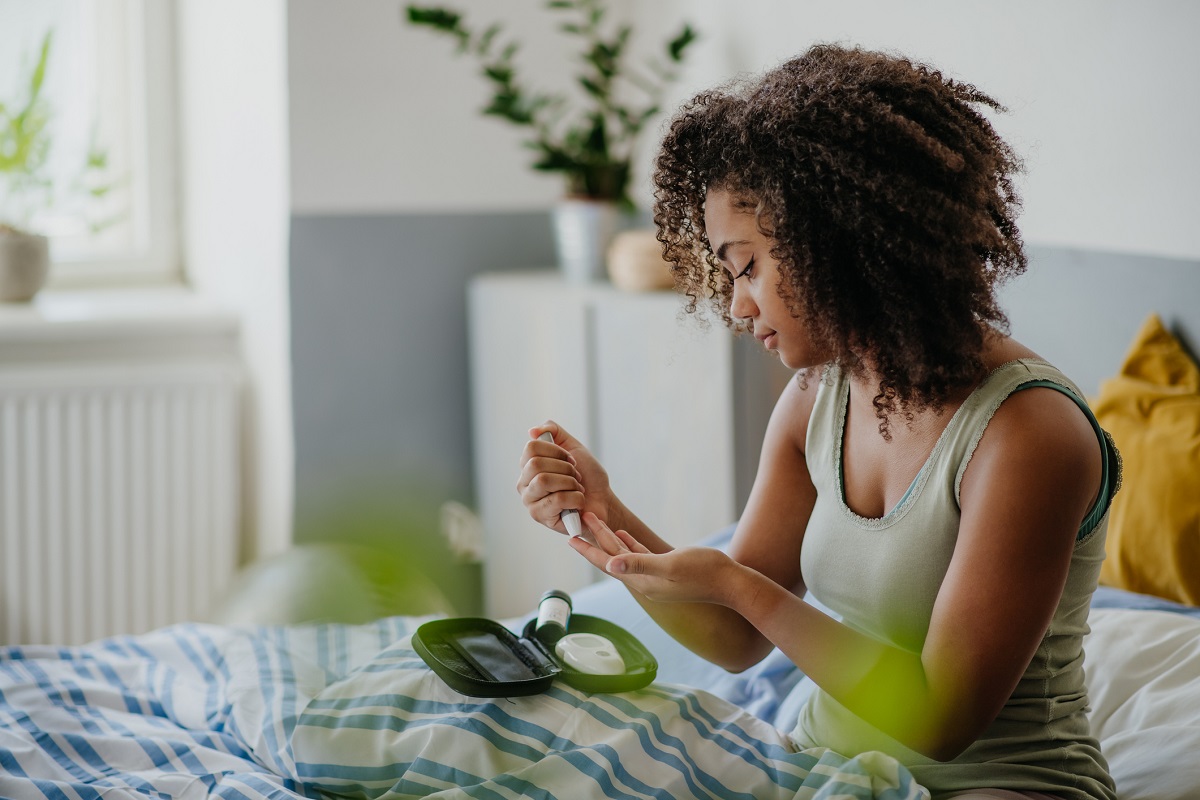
[768, 340]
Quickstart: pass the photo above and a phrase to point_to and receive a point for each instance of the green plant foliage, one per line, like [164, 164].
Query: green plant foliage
[25, 145]
[26, 139]
[593, 145]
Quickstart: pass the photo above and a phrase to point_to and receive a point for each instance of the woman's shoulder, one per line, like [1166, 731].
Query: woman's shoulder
[1038, 429]
[1012, 367]
[794, 408]
[1000, 349]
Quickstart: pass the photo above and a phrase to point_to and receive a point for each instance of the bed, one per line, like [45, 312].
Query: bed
[318, 710]
[310, 710]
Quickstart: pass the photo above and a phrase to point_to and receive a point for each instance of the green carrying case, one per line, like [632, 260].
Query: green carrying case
[482, 658]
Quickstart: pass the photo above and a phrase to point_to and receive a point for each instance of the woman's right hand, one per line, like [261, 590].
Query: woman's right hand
[559, 475]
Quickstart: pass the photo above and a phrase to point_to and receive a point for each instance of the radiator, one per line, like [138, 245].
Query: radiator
[119, 496]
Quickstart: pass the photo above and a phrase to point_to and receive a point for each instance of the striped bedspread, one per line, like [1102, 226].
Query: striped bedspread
[196, 711]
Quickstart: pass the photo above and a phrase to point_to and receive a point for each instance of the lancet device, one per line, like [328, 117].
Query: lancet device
[570, 517]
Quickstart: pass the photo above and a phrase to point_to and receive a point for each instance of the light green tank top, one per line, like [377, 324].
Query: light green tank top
[883, 575]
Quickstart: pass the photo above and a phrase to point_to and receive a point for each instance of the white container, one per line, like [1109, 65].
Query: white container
[24, 263]
[583, 231]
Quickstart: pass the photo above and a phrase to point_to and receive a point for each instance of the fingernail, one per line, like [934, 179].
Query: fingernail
[617, 568]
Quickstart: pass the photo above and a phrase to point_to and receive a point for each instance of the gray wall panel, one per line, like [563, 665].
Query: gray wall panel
[379, 353]
[1080, 309]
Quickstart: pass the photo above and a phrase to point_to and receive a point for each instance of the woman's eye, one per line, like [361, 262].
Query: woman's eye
[746, 271]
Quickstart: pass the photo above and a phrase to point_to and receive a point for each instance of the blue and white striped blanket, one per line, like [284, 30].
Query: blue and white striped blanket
[195, 711]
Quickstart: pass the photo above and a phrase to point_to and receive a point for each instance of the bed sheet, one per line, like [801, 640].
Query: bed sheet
[196, 711]
[1142, 661]
[393, 729]
[190, 711]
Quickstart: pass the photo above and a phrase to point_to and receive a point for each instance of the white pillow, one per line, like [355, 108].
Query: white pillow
[1143, 671]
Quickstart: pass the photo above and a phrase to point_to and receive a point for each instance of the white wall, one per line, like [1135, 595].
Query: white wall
[1102, 97]
[233, 124]
[385, 116]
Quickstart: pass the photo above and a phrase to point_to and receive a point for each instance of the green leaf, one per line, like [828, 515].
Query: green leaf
[439, 18]
[39, 72]
[500, 73]
[590, 87]
[507, 104]
[485, 39]
[601, 57]
[597, 139]
[677, 46]
[555, 159]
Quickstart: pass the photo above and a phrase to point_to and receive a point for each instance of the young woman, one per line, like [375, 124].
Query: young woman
[927, 477]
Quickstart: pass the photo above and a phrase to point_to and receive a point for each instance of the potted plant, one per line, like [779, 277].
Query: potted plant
[27, 187]
[591, 145]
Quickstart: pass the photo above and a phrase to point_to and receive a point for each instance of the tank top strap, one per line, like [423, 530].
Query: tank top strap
[824, 434]
[972, 419]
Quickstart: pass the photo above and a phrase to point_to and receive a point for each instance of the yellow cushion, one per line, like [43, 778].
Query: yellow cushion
[1152, 410]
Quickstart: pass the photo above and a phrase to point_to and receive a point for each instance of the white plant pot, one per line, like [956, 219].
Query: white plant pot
[24, 263]
[583, 231]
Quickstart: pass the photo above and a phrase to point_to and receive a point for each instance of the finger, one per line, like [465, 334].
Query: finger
[626, 564]
[605, 538]
[543, 443]
[539, 449]
[548, 510]
[537, 485]
[595, 556]
[633, 544]
[557, 432]
[534, 485]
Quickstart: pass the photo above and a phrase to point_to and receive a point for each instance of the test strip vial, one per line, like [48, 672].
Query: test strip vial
[554, 613]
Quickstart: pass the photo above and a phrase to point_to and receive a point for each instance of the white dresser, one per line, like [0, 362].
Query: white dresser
[674, 409]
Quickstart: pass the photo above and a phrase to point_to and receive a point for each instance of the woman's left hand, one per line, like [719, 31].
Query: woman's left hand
[688, 574]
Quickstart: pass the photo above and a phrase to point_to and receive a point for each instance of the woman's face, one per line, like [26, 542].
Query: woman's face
[745, 252]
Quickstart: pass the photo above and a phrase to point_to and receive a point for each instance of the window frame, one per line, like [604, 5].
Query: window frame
[155, 256]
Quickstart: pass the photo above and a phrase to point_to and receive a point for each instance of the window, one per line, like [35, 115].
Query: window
[107, 88]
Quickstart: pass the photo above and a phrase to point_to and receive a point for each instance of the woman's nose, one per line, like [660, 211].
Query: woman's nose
[742, 304]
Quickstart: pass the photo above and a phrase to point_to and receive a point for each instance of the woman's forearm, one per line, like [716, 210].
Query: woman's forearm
[884, 685]
[714, 632]
[620, 517]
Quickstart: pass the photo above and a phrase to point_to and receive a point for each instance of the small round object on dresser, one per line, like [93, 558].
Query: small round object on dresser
[635, 262]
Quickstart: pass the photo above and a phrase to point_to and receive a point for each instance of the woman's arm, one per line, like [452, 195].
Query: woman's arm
[1029, 483]
[767, 539]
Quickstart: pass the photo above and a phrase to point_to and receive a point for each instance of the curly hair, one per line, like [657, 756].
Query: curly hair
[890, 202]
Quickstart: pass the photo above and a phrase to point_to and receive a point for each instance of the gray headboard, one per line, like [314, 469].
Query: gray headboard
[1080, 309]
